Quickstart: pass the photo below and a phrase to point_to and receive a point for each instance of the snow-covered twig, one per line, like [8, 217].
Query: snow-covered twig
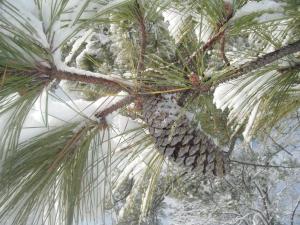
[74, 74]
[125, 101]
[260, 62]
[264, 165]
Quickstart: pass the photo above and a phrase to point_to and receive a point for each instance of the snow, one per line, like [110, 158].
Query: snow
[61, 110]
[241, 96]
[25, 15]
[257, 7]
[250, 122]
[267, 17]
[176, 20]
[77, 45]
[112, 77]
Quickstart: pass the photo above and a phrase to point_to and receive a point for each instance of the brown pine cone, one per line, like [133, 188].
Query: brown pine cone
[178, 138]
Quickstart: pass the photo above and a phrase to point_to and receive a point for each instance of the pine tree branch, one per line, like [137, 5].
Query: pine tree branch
[264, 200]
[123, 102]
[207, 45]
[225, 59]
[264, 165]
[260, 62]
[294, 212]
[143, 45]
[220, 35]
[87, 77]
[143, 41]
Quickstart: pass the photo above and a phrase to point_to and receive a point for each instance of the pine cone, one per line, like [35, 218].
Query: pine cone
[178, 138]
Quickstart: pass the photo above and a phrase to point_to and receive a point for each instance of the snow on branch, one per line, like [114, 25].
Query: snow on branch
[260, 62]
[75, 74]
[257, 7]
[242, 94]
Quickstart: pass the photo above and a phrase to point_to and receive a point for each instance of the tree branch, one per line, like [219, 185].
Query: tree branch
[112, 81]
[264, 202]
[125, 101]
[143, 42]
[207, 45]
[264, 165]
[220, 35]
[260, 62]
[225, 59]
[294, 212]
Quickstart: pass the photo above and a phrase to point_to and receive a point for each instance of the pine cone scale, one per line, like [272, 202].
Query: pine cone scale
[177, 138]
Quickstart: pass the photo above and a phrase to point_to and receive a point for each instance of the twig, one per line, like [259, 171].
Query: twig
[220, 35]
[264, 202]
[143, 42]
[280, 146]
[294, 212]
[3, 76]
[223, 50]
[168, 188]
[143, 45]
[265, 166]
[125, 101]
[262, 216]
[113, 82]
[260, 62]
[207, 45]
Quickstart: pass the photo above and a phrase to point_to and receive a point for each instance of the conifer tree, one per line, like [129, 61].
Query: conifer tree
[95, 95]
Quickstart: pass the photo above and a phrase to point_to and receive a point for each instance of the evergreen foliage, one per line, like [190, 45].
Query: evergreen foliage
[230, 71]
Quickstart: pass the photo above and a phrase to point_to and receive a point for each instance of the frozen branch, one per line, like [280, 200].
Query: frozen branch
[125, 101]
[264, 165]
[294, 212]
[74, 74]
[265, 203]
[207, 45]
[143, 41]
[261, 62]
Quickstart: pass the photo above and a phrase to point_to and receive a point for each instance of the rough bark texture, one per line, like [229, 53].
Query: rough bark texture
[179, 139]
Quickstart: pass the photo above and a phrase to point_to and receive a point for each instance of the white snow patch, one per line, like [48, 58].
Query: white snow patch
[256, 7]
[77, 45]
[176, 20]
[267, 17]
[250, 122]
[241, 96]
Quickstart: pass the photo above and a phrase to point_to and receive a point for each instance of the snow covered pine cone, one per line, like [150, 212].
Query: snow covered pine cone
[178, 138]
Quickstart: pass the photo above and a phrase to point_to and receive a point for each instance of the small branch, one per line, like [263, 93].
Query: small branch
[294, 212]
[262, 165]
[125, 101]
[264, 202]
[143, 43]
[261, 61]
[207, 45]
[223, 51]
[231, 145]
[262, 216]
[86, 77]
[280, 146]
[220, 34]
